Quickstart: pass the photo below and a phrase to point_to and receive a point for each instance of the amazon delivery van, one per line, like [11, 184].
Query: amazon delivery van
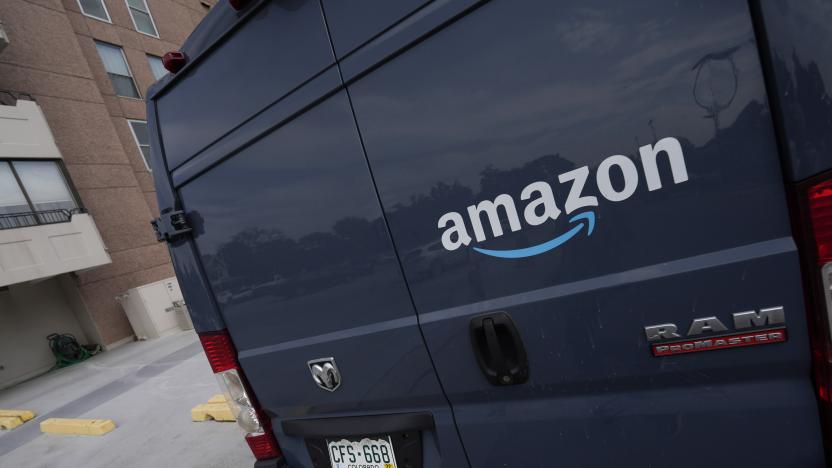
[461, 233]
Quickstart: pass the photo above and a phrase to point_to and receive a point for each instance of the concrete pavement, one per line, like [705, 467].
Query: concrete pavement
[148, 388]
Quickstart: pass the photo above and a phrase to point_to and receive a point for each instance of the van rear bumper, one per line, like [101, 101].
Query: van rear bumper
[278, 462]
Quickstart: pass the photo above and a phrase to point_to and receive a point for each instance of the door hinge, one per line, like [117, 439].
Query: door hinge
[170, 225]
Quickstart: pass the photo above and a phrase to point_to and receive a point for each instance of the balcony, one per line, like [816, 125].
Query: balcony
[44, 229]
[48, 249]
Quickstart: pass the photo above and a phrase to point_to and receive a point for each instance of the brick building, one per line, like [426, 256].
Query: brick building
[76, 192]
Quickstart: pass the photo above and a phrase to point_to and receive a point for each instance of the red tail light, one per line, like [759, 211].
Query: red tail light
[812, 221]
[223, 359]
[220, 351]
[817, 200]
[174, 61]
[263, 446]
[820, 209]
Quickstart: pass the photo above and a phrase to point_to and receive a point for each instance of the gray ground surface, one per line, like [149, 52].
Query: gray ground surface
[148, 388]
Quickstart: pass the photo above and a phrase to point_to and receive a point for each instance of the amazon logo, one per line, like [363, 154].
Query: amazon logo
[540, 206]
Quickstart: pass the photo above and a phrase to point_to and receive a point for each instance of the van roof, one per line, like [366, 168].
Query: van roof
[219, 21]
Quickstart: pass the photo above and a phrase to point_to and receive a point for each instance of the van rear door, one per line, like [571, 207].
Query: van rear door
[266, 161]
[292, 238]
[558, 176]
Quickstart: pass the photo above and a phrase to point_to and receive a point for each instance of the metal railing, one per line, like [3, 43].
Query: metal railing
[36, 218]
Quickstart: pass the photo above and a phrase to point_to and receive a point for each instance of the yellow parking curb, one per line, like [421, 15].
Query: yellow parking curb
[77, 426]
[215, 411]
[10, 422]
[24, 415]
[217, 399]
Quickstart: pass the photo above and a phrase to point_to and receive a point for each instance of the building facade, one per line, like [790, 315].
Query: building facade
[76, 191]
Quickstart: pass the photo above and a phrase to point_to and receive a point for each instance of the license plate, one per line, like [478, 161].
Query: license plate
[368, 452]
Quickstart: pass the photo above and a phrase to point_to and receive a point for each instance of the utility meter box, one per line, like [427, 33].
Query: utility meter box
[183, 317]
[155, 309]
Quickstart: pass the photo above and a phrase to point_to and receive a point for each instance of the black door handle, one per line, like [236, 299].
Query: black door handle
[499, 349]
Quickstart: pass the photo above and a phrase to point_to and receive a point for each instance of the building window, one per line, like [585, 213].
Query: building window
[94, 9]
[34, 192]
[139, 128]
[117, 69]
[12, 199]
[44, 182]
[141, 17]
[157, 66]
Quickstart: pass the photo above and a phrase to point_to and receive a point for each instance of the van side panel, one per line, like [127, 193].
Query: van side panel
[458, 127]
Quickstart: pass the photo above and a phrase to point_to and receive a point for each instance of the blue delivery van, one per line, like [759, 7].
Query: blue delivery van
[463, 233]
